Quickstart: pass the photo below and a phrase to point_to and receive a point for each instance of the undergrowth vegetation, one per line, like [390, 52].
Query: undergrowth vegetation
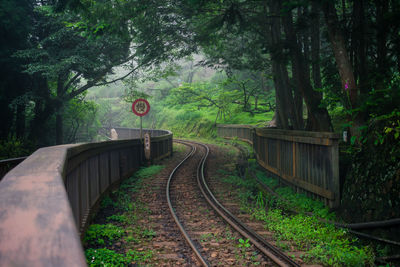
[108, 257]
[321, 242]
[107, 240]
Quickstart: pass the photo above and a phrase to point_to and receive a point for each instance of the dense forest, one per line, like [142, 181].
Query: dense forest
[70, 67]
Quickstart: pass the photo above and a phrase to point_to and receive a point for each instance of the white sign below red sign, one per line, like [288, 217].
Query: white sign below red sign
[147, 144]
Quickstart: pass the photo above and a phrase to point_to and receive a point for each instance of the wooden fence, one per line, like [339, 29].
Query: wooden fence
[307, 161]
[45, 201]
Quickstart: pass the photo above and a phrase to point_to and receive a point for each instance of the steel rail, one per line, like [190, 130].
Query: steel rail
[263, 245]
[202, 260]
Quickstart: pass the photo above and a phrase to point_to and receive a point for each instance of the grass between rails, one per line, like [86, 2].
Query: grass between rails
[321, 242]
[108, 243]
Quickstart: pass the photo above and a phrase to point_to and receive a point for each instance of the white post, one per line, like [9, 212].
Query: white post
[141, 129]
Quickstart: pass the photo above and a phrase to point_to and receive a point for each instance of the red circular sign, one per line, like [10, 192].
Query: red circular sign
[140, 107]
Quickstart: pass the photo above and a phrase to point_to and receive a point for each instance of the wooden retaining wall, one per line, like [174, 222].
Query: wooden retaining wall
[307, 161]
[45, 201]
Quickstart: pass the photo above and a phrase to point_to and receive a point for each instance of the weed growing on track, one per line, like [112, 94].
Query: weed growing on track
[206, 237]
[322, 242]
[119, 230]
[229, 234]
[243, 245]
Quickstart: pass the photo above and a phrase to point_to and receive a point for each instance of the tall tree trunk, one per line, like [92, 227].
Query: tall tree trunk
[298, 100]
[298, 106]
[315, 46]
[285, 107]
[282, 116]
[191, 73]
[395, 9]
[44, 109]
[20, 121]
[59, 128]
[382, 8]
[315, 54]
[359, 46]
[318, 116]
[339, 50]
[59, 109]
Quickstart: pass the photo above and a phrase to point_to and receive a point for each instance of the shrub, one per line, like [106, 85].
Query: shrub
[100, 234]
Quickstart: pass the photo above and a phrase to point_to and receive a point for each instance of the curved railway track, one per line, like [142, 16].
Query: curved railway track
[271, 254]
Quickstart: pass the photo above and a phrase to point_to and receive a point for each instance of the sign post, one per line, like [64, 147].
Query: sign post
[140, 107]
[147, 145]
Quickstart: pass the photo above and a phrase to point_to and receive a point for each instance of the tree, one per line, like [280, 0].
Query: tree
[14, 31]
[318, 117]
[250, 84]
[253, 33]
[80, 120]
[204, 95]
[63, 58]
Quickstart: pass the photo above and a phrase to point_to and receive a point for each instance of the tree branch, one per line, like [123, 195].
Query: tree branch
[171, 83]
[73, 79]
[118, 79]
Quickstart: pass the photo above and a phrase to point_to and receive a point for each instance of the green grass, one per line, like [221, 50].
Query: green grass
[291, 200]
[117, 218]
[102, 234]
[322, 242]
[178, 148]
[149, 171]
[100, 237]
[135, 183]
[107, 257]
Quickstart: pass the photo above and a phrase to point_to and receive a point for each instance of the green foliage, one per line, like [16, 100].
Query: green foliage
[149, 171]
[106, 202]
[107, 257]
[117, 218]
[106, 235]
[322, 242]
[144, 233]
[80, 120]
[139, 256]
[63, 50]
[293, 201]
[123, 201]
[243, 245]
[371, 188]
[102, 234]
[204, 95]
[189, 110]
[13, 148]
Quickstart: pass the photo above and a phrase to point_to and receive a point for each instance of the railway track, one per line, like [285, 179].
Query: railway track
[189, 199]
